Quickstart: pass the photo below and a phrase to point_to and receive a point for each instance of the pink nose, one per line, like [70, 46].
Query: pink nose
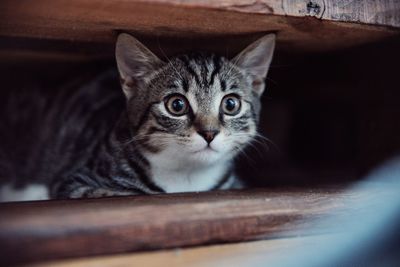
[208, 135]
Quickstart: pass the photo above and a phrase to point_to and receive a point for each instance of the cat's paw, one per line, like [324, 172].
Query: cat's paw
[100, 192]
[85, 192]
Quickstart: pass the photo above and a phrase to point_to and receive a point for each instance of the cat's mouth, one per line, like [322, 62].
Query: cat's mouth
[207, 149]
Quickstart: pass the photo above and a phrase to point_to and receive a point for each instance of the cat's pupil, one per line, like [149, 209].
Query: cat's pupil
[178, 105]
[230, 104]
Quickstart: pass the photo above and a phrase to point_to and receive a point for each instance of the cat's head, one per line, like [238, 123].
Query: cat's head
[196, 107]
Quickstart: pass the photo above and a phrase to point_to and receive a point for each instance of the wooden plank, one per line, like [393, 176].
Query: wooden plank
[46, 230]
[172, 26]
[375, 12]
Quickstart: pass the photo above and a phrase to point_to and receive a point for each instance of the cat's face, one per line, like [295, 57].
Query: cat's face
[196, 108]
[202, 108]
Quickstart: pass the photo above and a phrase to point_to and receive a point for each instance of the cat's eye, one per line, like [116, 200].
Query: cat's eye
[177, 105]
[231, 105]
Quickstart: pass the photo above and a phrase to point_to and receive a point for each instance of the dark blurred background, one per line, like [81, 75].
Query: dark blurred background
[332, 116]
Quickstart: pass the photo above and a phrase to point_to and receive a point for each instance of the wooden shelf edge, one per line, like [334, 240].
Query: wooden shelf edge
[45, 230]
[382, 13]
[30, 27]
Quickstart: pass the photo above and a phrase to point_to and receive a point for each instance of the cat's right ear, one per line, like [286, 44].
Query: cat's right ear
[256, 59]
[134, 62]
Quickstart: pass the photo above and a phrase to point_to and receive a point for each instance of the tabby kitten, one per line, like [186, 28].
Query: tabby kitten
[182, 124]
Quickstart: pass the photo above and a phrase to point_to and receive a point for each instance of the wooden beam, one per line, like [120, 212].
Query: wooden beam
[174, 26]
[45, 230]
[374, 12]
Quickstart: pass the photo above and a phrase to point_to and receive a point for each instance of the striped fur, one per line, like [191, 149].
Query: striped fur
[84, 150]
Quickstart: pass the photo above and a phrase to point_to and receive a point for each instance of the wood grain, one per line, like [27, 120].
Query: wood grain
[46, 230]
[375, 12]
[169, 27]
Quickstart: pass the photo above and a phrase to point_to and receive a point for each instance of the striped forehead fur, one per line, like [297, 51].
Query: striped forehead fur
[203, 69]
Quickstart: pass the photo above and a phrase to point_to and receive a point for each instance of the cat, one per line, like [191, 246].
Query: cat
[177, 127]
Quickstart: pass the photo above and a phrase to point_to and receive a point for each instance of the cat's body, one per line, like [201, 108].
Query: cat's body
[48, 134]
[178, 128]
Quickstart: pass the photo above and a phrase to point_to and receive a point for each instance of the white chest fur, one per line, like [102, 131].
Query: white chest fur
[32, 192]
[177, 175]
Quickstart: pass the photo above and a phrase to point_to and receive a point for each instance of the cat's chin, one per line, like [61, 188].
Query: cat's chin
[206, 155]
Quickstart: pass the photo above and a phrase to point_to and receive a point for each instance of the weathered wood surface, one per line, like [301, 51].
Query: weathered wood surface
[70, 27]
[36, 231]
[375, 12]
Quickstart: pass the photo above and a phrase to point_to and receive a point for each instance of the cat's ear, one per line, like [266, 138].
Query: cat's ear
[256, 59]
[134, 62]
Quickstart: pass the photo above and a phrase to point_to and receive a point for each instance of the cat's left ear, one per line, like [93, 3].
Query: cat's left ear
[256, 59]
[134, 62]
